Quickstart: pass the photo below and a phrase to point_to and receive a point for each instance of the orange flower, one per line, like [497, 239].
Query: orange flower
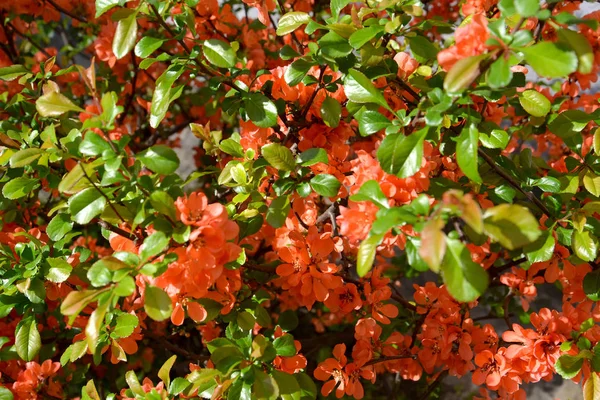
[470, 41]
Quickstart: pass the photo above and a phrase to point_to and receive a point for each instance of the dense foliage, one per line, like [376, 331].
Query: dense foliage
[380, 190]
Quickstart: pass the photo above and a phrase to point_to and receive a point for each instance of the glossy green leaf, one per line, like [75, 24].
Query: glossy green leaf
[19, 187]
[585, 246]
[278, 211]
[125, 36]
[27, 339]
[59, 270]
[402, 155]
[59, 226]
[370, 122]
[313, 156]
[157, 303]
[582, 47]
[219, 53]
[366, 254]
[360, 89]
[325, 185]
[103, 6]
[591, 285]
[161, 98]
[371, 191]
[54, 104]
[568, 366]
[292, 21]
[12, 72]
[86, 205]
[279, 156]
[542, 249]
[464, 279]
[261, 111]
[550, 59]
[25, 157]
[535, 103]
[160, 159]
[331, 112]
[153, 245]
[147, 46]
[462, 74]
[500, 74]
[467, 144]
[511, 225]
[296, 71]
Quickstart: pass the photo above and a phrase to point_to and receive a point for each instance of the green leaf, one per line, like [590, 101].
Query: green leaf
[103, 6]
[86, 205]
[422, 49]
[582, 47]
[511, 225]
[568, 366]
[93, 144]
[360, 89]
[54, 104]
[219, 53]
[92, 329]
[264, 387]
[12, 72]
[464, 279]
[292, 21]
[495, 138]
[597, 141]
[370, 122]
[245, 320]
[288, 320]
[535, 103]
[59, 271]
[59, 226]
[75, 180]
[5, 394]
[569, 123]
[325, 185]
[402, 155]
[126, 324]
[77, 301]
[584, 245]
[462, 74]
[25, 157]
[157, 303]
[296, 71]
[366, 254]
[591, 285]
[550, 60]
[362, 36]
[542, 249]
[278, 211]
[147, 46]
[331, 112]
[225, 358]
[371, 191]
[153, 245]
[160, 159]
[467, 144]
[334, 46]
[125, 36]
[591, 388]
[261, 111]
[161, 98]
[313, 156]
[178, 385]
[164, 204]
[19, 187]
[525, 8]
[591, 182]
[230, 146]
[500, 74]
[284, 346]
[165, 370]
[27, 339]
[337, 6]
[289, 389]
[279, 156]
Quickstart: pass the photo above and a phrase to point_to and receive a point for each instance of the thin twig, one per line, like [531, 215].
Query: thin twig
[110, 204]
[70, 14]
[512, 182]
[118, 231]
[389, 358]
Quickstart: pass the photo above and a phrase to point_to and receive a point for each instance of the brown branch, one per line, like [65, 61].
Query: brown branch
[389, 358]
[29, 39]
[70, 14]
[118, 231]
[512, 182]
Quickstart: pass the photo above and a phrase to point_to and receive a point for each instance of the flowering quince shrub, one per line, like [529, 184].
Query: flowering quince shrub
[348, 150]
